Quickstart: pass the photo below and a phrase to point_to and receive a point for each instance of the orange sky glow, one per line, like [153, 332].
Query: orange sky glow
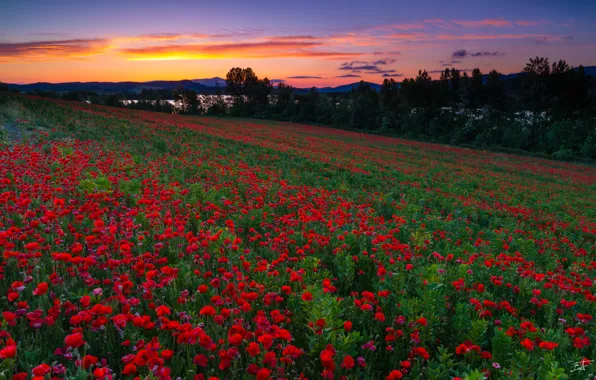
[302, 55]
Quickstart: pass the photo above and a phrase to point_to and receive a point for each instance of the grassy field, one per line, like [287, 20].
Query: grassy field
[159, 246]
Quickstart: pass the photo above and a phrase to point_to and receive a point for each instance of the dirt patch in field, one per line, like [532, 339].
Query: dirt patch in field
[12, 133]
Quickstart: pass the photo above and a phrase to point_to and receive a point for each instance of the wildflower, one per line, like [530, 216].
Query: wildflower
[74, 340]
[394, 375]
[528, 344]
[348, 362]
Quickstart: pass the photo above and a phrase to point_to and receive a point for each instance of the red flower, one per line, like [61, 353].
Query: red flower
[263, 374]
[163, 310]
[253, 349]
[348, 362]
[207, 310]
[167, 354]
[89, 360]
[8, 352]
[307, 296]
[549, 346]
[395, 374]
[74, 340]
[380, 317]
[200, 360]
[235, 339]
[266, 340]
[528, 344]
[41, 289]
[42, 370]
[348, 326]
[327, 360]
[420, 351]
[129, 369]
[100, 373]
[486, 355]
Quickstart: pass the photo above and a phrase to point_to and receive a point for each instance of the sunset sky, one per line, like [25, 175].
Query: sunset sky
[304, 42]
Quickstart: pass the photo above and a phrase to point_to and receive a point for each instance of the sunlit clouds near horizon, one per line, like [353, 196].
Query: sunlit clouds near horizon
[157, 43]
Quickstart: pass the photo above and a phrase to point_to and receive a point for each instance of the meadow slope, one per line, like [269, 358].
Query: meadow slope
[148, 245]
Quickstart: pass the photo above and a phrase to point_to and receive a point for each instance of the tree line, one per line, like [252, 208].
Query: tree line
[548, 109]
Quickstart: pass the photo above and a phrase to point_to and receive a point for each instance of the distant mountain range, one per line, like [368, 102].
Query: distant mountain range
[211, 82]
[111, 86]
[205, 85]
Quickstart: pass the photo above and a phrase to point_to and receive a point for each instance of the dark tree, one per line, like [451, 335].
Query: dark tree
[538, 66]
[189, 102]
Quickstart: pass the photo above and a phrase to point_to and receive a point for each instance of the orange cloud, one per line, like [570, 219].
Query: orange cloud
[264, 49]
[52, 50]
[480, 23]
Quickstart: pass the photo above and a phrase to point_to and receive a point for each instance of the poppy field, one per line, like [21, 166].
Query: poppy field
[139, 245]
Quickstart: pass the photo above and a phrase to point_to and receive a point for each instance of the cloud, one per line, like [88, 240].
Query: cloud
[261, 49]
[387, 75]
[459, 53]
[449, 63]
[386, 61]
[168, 37]
[404, 36]
[350, 67]
[349, 76]
[442, 71]
[544, 39]
[531, 22]
[305, 77]
[481, 23]
[52, 49]
[367, 67]
[386, 53]
[275, 81]
[455, 37]
[381, 71]
[464, 53]
[407, 26]
[486, 54]
[440, 23]
[302, 37]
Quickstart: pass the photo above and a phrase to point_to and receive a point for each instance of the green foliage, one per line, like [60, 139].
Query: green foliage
[99, 183]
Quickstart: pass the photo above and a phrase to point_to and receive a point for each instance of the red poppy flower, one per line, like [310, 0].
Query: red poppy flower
[348, 362]
[41, 370]
[129, 369]
[8, 352]
[253, 349]
[41, 289]
[74, 340]
[528, 344]
[549, 346]
[394, 375]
